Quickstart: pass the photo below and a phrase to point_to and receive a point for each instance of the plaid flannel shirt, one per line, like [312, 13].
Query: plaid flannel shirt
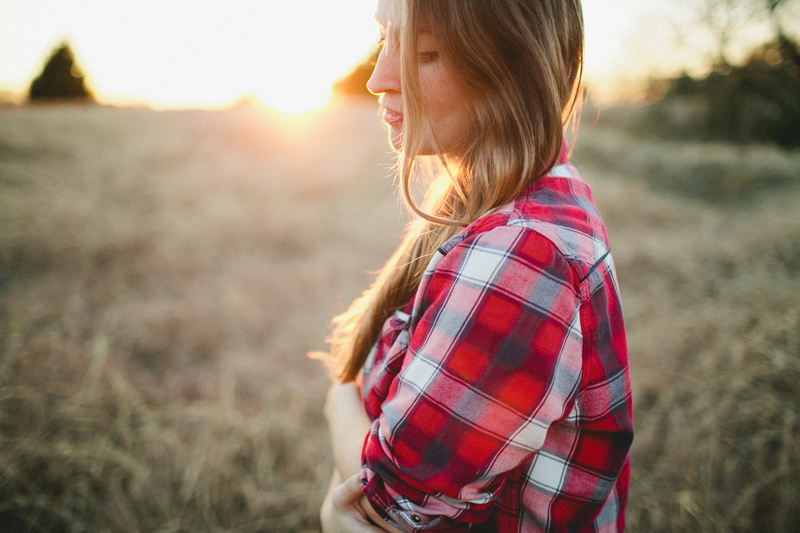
[500, 396]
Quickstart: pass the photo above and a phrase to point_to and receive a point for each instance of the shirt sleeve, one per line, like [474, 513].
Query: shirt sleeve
[494, 359]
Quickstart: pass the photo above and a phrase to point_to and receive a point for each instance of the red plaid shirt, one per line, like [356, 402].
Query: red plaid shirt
[500, 397]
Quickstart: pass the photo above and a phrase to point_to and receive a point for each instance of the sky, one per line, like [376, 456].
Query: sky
[285, 53]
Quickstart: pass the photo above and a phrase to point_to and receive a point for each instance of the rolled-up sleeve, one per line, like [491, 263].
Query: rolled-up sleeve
[494, 359]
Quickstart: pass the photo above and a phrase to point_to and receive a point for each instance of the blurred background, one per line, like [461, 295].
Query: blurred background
[190, 191]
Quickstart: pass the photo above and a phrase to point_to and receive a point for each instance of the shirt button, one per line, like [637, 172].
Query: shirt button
[416, 519]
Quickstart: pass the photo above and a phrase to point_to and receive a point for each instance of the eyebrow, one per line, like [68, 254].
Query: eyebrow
[422, 30]
[380, 23]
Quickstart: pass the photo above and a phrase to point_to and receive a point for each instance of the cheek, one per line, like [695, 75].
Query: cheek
[449, 108]
[454, 121]
[462, 120]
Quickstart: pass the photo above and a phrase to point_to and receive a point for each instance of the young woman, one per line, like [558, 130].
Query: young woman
[482, 381]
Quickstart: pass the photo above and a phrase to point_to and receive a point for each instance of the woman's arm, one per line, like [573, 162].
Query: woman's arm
[493, 360]
[349, 425]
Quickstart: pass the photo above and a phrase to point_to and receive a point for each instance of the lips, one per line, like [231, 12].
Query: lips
[391, 117]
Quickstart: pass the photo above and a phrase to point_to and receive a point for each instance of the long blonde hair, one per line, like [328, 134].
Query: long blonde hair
[520, 62]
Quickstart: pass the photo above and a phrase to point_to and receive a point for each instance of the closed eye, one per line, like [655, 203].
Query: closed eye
[428, 57]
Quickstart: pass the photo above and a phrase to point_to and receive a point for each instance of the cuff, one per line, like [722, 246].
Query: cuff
[403, 514]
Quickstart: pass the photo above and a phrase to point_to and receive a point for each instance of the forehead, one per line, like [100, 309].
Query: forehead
[389, 12]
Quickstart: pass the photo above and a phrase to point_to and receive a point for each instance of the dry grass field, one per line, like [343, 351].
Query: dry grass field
[163, 275]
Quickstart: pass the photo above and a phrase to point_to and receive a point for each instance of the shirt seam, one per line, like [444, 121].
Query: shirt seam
[594, 266]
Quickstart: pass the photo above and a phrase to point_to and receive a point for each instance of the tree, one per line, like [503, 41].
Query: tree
[755, 99]
[788, 52]
[755, 102]
[355, 83]
[727, 21]
[61, 79]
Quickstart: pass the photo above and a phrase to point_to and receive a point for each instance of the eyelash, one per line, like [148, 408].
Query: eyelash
[428, 57]
[424, 57]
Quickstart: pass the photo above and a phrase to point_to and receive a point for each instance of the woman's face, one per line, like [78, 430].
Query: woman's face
[445, 101]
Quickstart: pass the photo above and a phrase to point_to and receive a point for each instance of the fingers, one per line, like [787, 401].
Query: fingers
[341, 511]
[348, 492]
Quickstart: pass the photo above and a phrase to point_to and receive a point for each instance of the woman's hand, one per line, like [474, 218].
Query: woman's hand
[349, 425]
[341, 512]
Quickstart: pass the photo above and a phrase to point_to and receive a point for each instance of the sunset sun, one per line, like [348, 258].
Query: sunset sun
[184, 53]
[285, 54]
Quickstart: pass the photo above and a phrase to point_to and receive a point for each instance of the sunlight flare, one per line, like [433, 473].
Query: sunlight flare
[185, 53]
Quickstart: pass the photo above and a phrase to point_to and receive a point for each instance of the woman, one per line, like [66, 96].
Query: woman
[483, 378]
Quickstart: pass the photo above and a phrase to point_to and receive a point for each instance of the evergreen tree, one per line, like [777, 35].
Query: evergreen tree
[61, 79]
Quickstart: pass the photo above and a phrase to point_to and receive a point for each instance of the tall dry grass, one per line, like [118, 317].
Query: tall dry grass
[711, 294]
[163, 274]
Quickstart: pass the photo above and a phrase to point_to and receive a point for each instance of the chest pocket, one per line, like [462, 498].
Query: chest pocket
[385, 361]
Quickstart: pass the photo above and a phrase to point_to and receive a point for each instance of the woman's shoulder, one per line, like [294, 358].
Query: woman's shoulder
[560, 208]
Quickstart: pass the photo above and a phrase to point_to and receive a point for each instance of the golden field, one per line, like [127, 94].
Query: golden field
[163, 275]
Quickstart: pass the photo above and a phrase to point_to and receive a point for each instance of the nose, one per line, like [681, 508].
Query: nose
[386, 76]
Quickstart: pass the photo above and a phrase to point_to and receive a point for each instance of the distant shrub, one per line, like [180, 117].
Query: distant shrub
[712, 171]
[61, 79]
[355, 83]
[758, 101]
